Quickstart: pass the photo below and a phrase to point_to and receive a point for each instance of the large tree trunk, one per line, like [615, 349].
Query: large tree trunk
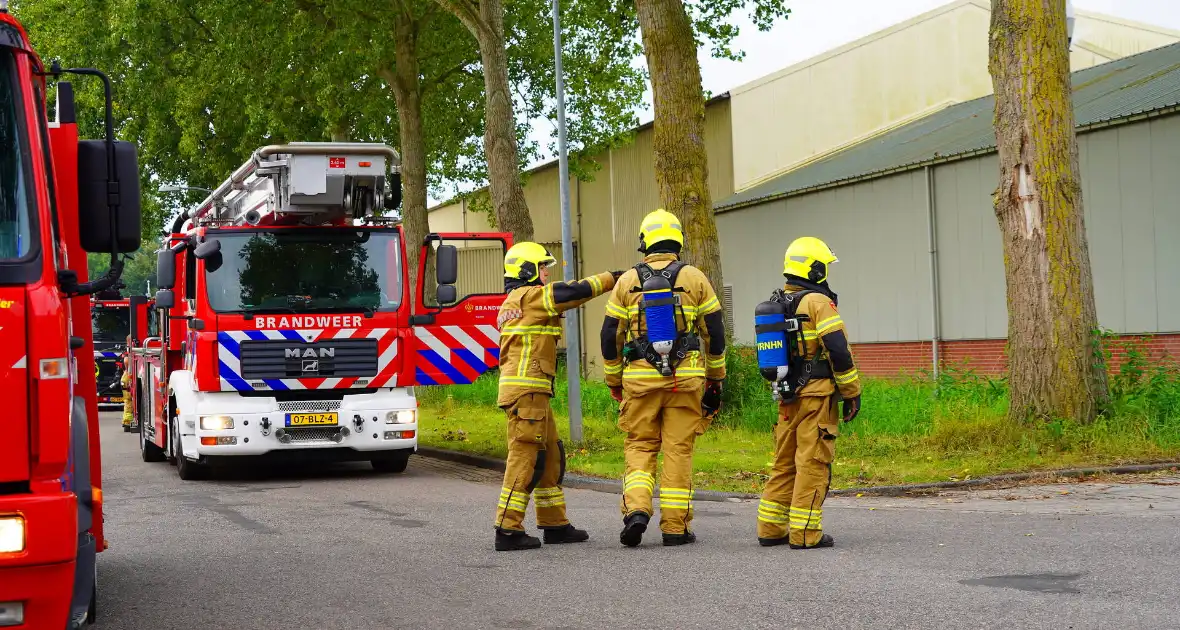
[1053, 370]
[405, 80]
[486, 23]
[682, 170]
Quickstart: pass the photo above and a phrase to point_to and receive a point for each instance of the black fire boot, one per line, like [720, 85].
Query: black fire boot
[515, 541]
[633, 527]
[565, 534]
[673, 540]
[824, 541]
[773, 542]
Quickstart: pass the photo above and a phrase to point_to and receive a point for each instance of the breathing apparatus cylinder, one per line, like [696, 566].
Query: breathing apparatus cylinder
[770, 319]
[659, 313]
[777, 334]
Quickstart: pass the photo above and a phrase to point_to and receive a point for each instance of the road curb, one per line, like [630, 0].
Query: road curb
[615, 487]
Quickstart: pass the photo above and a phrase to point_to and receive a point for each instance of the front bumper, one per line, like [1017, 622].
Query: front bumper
[41, 578]
[261, 426]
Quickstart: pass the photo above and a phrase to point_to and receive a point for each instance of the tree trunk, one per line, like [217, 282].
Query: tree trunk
[486, 23]
[1054, 370]
[682, 170]
[405, 81]
[499, 140]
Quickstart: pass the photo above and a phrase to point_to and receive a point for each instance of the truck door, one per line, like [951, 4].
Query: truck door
[14, 424]
[454, 343]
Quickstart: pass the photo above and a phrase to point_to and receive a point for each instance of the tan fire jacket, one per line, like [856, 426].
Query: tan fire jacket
[702, 310]
[825, 325]
[530, 324]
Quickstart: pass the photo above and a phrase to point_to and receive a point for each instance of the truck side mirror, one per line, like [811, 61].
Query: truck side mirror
[207, 249]
[136, 302]
[446, 294]
[446, 270]
[165, 299]
[165, 269]
[94, 212]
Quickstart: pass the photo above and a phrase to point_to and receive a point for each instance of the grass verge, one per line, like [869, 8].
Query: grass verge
[911, 430]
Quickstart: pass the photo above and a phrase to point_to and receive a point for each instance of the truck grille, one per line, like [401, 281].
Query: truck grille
[280, 358]
[309, 405]
[106, 374]
[317, 434]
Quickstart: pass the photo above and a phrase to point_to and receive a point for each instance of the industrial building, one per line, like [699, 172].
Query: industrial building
[863, 146]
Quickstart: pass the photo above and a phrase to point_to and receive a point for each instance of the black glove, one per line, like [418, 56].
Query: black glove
[617, 273]
[711, 398]
[851, 408]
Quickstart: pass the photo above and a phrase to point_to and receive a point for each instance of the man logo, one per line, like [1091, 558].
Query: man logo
[311, 366]
[298, 353]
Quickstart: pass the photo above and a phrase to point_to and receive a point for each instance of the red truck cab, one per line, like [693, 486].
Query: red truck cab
[59, 199]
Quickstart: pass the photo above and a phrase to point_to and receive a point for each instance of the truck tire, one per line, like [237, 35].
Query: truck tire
[148, 451]
[186, 469]
[395, 462]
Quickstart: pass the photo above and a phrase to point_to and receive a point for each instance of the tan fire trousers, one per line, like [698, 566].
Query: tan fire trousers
[127, 417]
[535, 467]
[662, 421]
[804, 447]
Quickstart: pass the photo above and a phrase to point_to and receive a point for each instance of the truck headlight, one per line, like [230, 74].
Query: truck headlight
[404, 416]
[216, 423]
[12, 534]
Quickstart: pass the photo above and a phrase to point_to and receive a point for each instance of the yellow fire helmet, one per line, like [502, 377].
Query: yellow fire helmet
[525, 260]
[657, 226]
[808, 258]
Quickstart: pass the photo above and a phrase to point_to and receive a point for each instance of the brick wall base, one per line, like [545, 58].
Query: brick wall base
[987, 356]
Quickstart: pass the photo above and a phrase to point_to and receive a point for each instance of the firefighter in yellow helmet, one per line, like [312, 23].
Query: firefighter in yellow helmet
[530, 325]
[663, 350]
[818, 369]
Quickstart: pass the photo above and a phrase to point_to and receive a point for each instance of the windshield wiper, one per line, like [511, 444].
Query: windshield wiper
[248, 314]
[368, 311]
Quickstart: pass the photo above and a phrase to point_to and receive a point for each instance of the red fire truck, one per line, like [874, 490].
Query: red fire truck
[286, 324]
[59, 199]
[110, 317]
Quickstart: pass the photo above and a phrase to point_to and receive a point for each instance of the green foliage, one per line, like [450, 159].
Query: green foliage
[910, 429]
[199, 85]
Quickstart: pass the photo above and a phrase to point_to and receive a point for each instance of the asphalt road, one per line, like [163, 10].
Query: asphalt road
[342, 547]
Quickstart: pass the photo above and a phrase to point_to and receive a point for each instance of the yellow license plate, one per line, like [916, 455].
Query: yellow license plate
[312, 419]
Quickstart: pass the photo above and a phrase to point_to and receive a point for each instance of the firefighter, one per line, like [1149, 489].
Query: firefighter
[663, 350]
[791, 507]
[530, 325]
[125, 384]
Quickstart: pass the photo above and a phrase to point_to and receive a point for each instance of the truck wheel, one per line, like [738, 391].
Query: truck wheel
[393, 463]
[148, 451]
[92, 611]
[187, 469]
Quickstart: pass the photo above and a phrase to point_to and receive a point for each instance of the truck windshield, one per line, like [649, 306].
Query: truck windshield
[15, 236]
[305, 270]
[111, 324]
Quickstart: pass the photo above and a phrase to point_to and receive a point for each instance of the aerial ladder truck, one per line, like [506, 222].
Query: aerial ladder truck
[287, 326]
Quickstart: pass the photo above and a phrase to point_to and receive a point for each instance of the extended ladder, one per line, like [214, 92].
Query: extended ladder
[310, 183]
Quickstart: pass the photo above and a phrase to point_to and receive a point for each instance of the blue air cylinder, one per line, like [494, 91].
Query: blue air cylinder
[770, 334]
[661, 316]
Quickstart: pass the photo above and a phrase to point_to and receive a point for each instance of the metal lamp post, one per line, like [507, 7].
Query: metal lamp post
[573, 346]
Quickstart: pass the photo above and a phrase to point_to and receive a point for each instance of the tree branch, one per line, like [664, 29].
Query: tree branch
[468, 13]
[188, 11]
[429, 84]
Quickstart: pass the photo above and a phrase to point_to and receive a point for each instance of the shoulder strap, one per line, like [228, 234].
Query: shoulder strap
[791, 300]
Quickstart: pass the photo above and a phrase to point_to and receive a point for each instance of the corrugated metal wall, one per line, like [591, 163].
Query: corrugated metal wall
[972, 297]
[879, 228]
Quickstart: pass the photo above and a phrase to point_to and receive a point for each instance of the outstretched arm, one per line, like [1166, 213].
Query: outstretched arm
[558, 297]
